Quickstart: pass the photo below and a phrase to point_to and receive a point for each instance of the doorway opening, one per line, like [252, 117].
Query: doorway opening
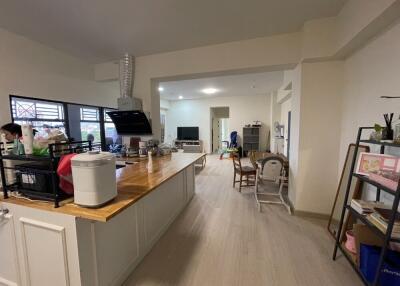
[219, 128]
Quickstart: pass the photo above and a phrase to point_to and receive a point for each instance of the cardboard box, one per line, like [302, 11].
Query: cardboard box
[363, 234]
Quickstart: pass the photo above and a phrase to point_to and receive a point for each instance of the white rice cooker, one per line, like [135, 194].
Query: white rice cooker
[94, 178]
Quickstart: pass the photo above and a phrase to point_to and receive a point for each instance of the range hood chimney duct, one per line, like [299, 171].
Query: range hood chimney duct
[130, 118]
[126, 75]
[126, 83]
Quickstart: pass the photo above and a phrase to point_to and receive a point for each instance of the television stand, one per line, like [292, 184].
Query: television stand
[179, 143]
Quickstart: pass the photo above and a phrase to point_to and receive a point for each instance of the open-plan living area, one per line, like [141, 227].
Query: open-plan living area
[180, 143]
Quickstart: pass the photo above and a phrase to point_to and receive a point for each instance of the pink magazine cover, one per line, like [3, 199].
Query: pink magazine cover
[377, 163]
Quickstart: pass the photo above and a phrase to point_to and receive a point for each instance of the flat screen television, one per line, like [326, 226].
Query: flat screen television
[188, 133]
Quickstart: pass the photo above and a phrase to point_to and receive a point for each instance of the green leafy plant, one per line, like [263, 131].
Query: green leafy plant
[378, 128]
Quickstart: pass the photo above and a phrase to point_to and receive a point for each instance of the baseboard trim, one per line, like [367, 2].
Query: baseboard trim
[310, 214]
[306, 213]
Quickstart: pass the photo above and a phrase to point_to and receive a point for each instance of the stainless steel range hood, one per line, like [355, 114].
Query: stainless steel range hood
[130, 119]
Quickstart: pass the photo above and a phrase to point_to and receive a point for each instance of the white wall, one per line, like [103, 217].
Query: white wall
[319, 123]
[370, 73]
[30, 69]
[242, 110]
[164, 104]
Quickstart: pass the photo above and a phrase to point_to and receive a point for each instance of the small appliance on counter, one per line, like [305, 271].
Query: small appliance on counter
[132, 152]
[142, 149]
[94, 178]
[165, 149]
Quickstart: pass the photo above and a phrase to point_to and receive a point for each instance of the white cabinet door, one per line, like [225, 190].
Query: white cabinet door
[190, 183]
[9, 266]
[46, 247]
[161, 206]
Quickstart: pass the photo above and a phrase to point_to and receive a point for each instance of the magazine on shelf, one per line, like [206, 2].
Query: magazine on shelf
[365, 207]
[383, 227]
[376, 217]
[386, 213]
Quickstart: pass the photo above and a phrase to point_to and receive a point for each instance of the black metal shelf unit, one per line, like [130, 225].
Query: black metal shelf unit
[387, 237]
[45, 170]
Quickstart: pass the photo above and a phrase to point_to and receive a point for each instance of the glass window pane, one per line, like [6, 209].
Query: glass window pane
[106, 117]
[90, 131]
[49, 111]
[43, 127]
[25, 109]
[43, 115]
[89, 114]
[36, 109]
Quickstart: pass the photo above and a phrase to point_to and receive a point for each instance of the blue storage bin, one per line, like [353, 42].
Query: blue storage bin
[390, 272]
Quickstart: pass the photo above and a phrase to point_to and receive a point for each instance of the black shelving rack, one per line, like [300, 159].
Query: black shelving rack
[51, 161]
[387, 237]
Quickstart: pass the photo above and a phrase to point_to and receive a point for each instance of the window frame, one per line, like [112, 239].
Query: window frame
[65, 111]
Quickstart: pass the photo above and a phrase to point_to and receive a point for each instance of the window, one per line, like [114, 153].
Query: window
[78, 122]
[111, 137]
[90, 124]
[40, 113]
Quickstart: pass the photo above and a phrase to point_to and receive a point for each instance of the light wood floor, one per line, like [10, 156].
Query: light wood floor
[221, 239]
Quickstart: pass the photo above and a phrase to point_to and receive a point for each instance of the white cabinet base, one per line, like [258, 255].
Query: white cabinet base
[41, 248]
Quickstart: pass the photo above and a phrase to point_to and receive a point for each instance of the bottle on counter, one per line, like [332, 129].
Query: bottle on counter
[27, 138]
[123, 151]
[150, 162]
[18, 148]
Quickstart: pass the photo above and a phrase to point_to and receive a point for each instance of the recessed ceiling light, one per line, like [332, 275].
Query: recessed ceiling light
[209, 90]
[180, 97]
[160, 88]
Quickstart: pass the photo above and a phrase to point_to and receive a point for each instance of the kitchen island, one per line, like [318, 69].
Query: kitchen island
[72, 245]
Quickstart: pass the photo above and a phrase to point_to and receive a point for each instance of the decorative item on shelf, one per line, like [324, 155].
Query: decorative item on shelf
[386, 178]
[257, 123]
[374, 163]
[376, 135]
[396, 135]
[350, 241]
[381, 168]
[387, 132]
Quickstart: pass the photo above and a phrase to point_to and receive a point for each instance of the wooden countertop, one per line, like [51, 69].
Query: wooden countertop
[133, 183]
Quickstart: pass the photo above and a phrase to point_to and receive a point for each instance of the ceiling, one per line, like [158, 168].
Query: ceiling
[103, 30]
[234, 85]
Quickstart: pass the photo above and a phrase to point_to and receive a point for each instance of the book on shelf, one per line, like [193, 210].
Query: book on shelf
[365, 207]
[379, 223]
[386, 213]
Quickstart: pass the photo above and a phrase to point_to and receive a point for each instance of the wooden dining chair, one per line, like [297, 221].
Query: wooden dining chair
[243, 171]
[253, 159]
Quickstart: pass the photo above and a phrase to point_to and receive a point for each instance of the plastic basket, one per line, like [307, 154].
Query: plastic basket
[390, 272]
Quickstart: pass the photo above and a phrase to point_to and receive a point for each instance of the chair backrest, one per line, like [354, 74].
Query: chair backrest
[272, 168]
[233, 136]
[237, 166]
[253, 159]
